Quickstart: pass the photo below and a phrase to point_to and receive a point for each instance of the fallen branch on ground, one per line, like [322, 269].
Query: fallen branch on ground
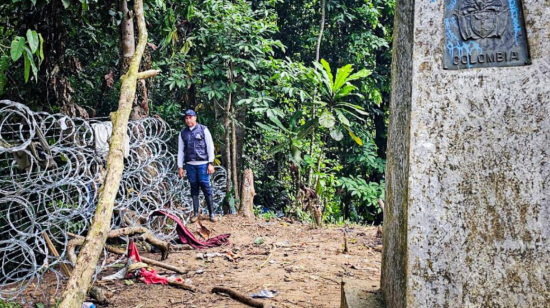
[268, 257]
[176, 269]
[79, 240]
[239, 297]
[181, 285]
[51, 247]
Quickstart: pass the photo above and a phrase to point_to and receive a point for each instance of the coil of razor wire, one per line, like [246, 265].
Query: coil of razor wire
[51, 171]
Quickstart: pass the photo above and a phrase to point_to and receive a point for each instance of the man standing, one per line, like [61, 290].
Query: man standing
[196, 149]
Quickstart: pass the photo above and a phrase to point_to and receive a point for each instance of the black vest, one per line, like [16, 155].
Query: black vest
[194, 143]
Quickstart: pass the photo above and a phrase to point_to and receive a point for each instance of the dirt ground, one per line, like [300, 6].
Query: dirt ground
[305, 268]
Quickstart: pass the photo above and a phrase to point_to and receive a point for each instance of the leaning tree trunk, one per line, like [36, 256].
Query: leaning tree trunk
[314, 112]
[227, 126]
[81, 276]
[234, 153]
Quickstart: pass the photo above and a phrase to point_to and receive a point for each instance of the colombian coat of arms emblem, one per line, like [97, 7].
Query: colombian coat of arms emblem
[479, 19]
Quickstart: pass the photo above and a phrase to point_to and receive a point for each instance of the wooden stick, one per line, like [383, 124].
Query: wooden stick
[268, 257]
[181, 285]
[381, 204]
[64, 267]
[176, 269]
[346, 248]
[239, 297]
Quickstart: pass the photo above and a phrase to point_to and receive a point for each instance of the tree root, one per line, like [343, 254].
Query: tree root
[99, 294]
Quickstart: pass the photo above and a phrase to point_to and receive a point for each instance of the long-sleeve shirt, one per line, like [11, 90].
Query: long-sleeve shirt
[209, 149]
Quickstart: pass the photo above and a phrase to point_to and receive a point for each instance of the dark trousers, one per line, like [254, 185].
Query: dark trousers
[198, 178]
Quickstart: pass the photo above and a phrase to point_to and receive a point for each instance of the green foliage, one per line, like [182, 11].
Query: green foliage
[5, 304]
[4, 66]
[335, 111]
[366, 194]
[292, 113]
[29, 48]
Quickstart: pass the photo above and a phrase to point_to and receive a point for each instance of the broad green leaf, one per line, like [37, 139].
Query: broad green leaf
[354, 137]
[190, 12]
[28, 53]
[186, 47]
[324, 77]
[277, 122]
[40, 49]
[32, 38]
[341, 77]
[327, 119]
[66, 3]
[327, 69]
[360, 74]
[356, 108]
[295, 118]
[336, 134]
[342, 118]
[27, 66]
[307, 128]
[276, 149]
[376, 97]
[4, 63]
[16, 49]
[344, 91]
[268, 128]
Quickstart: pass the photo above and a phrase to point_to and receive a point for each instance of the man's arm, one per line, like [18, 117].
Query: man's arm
[181, 148]
[209, 145]
[209, 150]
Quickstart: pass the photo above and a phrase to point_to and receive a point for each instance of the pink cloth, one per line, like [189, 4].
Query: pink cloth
[186, 237]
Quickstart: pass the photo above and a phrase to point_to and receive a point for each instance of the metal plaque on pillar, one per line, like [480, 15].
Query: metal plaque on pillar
[484, 33]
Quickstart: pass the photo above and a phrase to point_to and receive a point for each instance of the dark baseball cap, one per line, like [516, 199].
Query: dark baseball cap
[190, 113]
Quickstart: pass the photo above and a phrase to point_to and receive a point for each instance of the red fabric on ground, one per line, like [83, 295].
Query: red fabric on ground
[133, 252]
[186, 237]
[150, 276]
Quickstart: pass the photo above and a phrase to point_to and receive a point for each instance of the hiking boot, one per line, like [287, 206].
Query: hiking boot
[210, 205]
[195, 208]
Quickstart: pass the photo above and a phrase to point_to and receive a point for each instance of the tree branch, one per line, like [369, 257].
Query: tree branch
[148, 74]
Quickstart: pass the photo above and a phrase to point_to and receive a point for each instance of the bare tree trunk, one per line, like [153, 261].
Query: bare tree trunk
[227, 126]
[248, 192]
[234, 152]
[81, 276]
[314, 112]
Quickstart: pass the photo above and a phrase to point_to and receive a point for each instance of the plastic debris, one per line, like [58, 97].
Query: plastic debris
[264, 294]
